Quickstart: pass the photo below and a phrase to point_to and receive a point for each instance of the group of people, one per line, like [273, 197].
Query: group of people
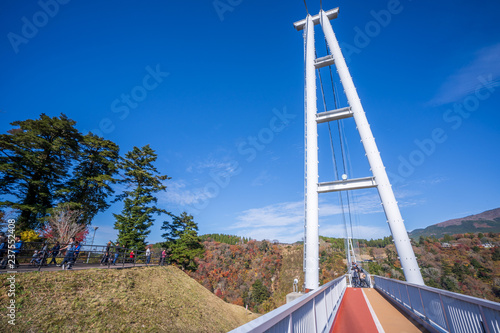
[110, 258]
[39, 257]
[71, 252]
[358, 276]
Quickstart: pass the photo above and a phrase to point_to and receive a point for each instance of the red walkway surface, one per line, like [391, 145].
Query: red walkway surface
[354, 315]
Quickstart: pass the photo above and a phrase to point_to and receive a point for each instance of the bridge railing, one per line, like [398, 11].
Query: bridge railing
[443, 310]
[314, 312]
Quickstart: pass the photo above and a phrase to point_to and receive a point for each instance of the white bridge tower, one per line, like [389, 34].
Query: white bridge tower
[379, 177]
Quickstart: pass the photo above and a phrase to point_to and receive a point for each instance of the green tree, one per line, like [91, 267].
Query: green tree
[35, 159]
[182, 238]
[143, 181]
[47, 161]
[90, 186]
[259, 292]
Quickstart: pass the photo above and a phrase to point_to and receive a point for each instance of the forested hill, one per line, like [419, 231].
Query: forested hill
[223, 238]
[259, 274]
[488, 221]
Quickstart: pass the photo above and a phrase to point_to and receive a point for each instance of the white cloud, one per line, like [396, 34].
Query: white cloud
[465, 80]
[277, 215]
[285, 222]
[212, 164]
[178, 194]
[210, 173]
[262, 178]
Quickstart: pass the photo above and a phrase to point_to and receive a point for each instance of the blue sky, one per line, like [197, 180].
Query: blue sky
[216, 88]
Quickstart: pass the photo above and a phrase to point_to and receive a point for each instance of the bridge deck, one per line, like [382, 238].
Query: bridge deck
[365, 310]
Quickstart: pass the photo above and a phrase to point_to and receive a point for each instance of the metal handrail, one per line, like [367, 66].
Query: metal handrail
[443, 310]
[93, 253]
[312, 312]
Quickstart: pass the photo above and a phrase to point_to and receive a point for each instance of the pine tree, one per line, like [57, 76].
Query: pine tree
[47, 161]
[143, 181]
[92, 178]
[35, 159]
[182, 239]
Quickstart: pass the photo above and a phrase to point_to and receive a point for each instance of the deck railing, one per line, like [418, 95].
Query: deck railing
[314, 312]
[88, 255]
[444, 311]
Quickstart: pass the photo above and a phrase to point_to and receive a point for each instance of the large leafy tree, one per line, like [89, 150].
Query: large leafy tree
[143, 181]
[47, 161]
[182, 238]
[35, 159]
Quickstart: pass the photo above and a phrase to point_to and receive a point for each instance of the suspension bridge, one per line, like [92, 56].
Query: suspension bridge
[341, 305]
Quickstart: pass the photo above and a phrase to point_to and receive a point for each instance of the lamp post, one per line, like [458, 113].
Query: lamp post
[93, 237]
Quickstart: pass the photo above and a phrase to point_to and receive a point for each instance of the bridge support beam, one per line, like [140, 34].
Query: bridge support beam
[398, 230]
[311, 241]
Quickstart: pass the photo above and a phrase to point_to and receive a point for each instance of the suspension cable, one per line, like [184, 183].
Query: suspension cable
[347, 246]
[305, 4]
[343, 153]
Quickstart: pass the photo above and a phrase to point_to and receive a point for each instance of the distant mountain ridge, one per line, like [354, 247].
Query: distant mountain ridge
[488, 221]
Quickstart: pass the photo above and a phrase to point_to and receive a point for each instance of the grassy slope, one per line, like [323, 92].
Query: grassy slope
[153, 299]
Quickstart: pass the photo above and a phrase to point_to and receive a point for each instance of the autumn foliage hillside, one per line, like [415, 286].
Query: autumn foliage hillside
[463, 263]
[260, 273]
[240, 274]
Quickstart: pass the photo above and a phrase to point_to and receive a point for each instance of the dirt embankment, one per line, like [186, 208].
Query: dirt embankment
[148, 299]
